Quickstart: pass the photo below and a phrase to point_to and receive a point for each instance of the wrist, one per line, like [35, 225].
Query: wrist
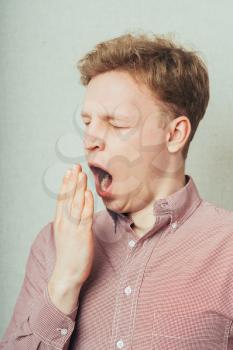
[63, 295]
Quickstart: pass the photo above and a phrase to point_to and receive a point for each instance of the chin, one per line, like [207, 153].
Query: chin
[115, 205]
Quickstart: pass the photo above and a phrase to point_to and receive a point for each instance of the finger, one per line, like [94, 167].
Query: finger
[78, 200]
[65, 192]
[62, 195]
[71, 188]
[88, 210]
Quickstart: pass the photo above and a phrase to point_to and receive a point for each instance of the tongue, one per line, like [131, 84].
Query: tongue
[105, 182]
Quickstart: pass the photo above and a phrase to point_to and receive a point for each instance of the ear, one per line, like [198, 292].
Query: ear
[178, 132]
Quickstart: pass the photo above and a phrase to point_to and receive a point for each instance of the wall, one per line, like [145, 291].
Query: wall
[40, 96]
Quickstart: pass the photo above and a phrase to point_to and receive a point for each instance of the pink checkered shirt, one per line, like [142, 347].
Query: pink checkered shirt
[171, 289]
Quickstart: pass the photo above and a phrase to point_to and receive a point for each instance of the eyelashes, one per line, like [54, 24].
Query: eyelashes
[115, 126]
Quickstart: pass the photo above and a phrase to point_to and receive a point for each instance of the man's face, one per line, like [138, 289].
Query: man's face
[124, 133]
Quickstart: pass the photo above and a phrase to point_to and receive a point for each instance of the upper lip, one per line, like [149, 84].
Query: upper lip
[94, 164]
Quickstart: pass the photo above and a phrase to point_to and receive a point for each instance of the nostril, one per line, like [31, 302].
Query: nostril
[94, 144]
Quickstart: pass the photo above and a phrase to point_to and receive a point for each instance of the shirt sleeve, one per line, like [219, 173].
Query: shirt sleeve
[36, 323]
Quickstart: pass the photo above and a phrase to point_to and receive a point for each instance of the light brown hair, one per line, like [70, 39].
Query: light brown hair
[176, 76]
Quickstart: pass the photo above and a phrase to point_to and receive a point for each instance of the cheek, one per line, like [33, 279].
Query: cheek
[125, 147]
[125, 158]
[152, 136]
[152, 142]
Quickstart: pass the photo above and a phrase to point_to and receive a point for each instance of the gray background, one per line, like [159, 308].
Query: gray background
[40, 43]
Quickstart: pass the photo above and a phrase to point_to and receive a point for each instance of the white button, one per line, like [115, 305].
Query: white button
[174, 224]
[131, 243]
[63, 331]
[120, 344]
[128, 290]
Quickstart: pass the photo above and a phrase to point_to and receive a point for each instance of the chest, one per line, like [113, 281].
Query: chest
[166, 295]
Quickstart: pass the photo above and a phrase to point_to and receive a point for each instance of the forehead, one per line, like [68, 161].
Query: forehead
[116, 92]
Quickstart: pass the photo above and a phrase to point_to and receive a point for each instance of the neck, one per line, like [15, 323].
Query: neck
[144, 219]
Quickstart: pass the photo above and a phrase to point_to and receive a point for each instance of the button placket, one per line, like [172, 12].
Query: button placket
[123, 292]
[132, 274]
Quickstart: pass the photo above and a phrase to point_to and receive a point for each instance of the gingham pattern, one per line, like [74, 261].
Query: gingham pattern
[171, 289]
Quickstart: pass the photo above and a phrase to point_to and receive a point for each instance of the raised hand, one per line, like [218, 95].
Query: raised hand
[73, 239]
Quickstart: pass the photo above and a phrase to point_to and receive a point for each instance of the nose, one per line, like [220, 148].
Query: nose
[92, 142]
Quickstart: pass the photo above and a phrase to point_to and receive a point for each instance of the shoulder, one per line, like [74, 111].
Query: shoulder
[43, 249]
[220, 213]
[43, 237]
[216, 217]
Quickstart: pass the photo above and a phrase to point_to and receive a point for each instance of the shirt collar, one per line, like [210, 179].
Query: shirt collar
[173, 209]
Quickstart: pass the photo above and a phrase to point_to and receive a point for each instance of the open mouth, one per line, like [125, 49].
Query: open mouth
[102, 177]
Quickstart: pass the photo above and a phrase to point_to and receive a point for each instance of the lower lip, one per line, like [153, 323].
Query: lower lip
[105, 194]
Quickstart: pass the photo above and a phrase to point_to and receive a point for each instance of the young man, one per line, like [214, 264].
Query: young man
[154, 270]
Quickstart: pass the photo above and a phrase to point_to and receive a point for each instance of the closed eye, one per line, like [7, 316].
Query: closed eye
[120, 127]
[115, 126]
